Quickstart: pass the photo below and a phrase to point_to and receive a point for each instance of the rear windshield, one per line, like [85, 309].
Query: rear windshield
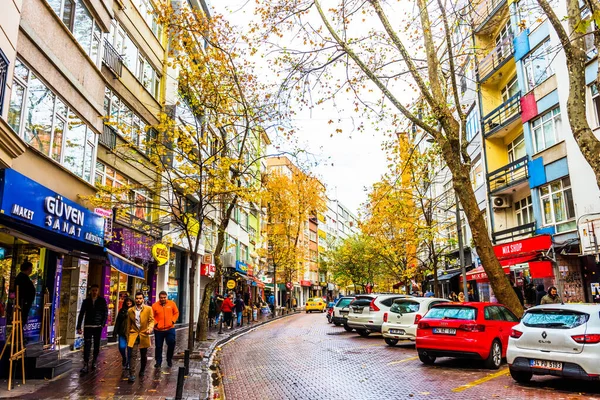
[390, 301]
[453, 312]
[362, 301]
[343, 302]
[558, 319]
[315, 299]
[405, 307]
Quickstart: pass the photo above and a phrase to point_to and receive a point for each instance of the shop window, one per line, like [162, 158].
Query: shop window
[546, 129]
[557, 205]
[538, 66]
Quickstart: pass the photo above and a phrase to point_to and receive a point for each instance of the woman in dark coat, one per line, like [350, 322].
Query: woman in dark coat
[120, 330]
[540, 293]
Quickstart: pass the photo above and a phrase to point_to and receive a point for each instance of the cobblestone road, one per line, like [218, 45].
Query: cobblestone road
[304, 357]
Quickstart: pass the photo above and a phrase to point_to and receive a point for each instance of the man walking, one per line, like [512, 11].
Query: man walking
[93, 314]
[140, 323]
[26, 289]
[165, 314]
[239, 309]
[552, 297]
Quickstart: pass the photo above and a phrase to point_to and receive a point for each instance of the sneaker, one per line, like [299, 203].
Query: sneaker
[157, 365]
[131, 378]
[84, 370]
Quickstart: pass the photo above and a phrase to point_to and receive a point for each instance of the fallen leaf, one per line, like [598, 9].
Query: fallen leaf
[152, 390]
[102, 380]
[425, 393]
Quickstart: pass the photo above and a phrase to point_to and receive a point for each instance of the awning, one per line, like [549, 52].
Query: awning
[541, 269]
[479, 274]
[518, 260]
[124, 265]
[448, 276]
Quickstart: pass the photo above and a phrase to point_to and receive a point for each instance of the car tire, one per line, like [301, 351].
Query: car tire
[336, 323]
[521, 376]
[307, 311]
[426, 359]
[494, 360]
[347, 328]
[391, 342]
[363, 332]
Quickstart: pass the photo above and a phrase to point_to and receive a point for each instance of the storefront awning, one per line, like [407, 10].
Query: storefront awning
[124, 265]
[517, 260]
[448, 276]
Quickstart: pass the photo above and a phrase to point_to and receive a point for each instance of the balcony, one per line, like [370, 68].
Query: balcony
[112, 59]
[108, 137]
[511, 234]
[486, 14]
[503, 116]
[506, 178]
[499, 56]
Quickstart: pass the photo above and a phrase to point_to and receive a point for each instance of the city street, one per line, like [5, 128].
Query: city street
[304, 357]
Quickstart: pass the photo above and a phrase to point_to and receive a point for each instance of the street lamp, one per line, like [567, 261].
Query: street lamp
[460, 248]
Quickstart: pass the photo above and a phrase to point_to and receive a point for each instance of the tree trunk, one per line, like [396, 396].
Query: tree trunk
[202, 324]
[194, 258]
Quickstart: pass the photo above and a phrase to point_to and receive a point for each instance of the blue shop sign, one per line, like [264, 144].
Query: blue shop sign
[26, 200]
[241, 267]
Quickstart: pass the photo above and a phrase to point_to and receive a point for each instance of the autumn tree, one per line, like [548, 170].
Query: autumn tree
[386, 57]
[355, 262]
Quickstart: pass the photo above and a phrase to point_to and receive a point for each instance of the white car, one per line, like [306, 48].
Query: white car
[556, 339]
[340, 311]
[366, 312]
[400, 322]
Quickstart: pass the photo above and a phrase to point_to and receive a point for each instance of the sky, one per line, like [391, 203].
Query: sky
[347, 163]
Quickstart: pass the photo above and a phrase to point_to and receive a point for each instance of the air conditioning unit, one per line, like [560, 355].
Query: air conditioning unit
[501, 201]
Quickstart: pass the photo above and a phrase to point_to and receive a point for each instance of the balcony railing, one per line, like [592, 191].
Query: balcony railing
[508, 175]
[496, 58]
[502, 115]
[108, 137]
[486, 10]
[514, 233]
[112, 59]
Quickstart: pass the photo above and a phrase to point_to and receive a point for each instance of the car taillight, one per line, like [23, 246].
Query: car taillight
[424, 325]
[417, 318]
[515, 334]
[472, 327]
[587, 339]
[385, 316]
[372, 306]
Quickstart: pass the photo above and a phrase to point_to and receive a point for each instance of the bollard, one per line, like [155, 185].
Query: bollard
[180, 381]
[186, 361]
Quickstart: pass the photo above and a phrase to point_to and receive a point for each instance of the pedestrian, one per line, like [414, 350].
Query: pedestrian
[539, 294]
[552, 297]
[26, 289]
[461, 297]
[120, 331]
[227, 308]
[271, 301]
[140, 323]
[519, 294]
[212, 311]
[428, 293]
[239, 309]
[453, 297]
[93, 314]
[219, 304]
[294, 303]
[530, 294]
[165, 315]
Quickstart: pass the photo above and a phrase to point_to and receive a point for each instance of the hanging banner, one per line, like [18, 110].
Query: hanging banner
[160, 253]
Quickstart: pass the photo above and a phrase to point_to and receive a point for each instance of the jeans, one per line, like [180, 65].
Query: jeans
[90, 333]
[123, 348]
[227, 318]
[159, 338]
[132, 357]
[239, 317]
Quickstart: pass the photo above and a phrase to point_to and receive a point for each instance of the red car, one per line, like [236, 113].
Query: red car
[465, 330]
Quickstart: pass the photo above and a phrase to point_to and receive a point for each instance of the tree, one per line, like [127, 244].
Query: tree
[375, 58]
[355, 262]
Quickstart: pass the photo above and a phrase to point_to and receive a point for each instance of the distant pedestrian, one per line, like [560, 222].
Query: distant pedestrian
[294, 303]
[93, 315]
[218, 304]
[429, 293]
[212, 311]
[552, 297]
[271, 302]
[453, 297]
[539, 294]
[461, 297]
[519, 294]
[227, 309]
[140, 323]
[26, 290]
[120, 331]
[239, 309]
[165, 315]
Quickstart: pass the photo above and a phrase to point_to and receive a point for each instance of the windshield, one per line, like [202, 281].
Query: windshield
[404, 307]
[454, 312]
[343, 302]
[559, 319]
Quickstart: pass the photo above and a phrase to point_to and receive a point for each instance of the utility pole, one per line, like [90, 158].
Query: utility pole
[460, 249]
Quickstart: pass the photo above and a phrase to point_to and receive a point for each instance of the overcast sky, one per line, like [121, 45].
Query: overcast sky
[346, 163]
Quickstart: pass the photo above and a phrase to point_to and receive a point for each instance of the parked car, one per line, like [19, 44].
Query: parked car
[556, 339]
[366, 312]
[465, 330]
[330, 311]
[341, 310]
[400, 322]
[315, 304]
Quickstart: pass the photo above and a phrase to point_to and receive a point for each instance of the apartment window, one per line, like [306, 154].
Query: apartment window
[243, 252]
[126, 122]
[477, 174]
[538, 66]
[75, 15]
[546, 129]
[44, 121]
[557, 205]
[516, 148]
[3, 78]
[524, 211]
[209, 234]
[595, 102]
[472, 124]
[244, 220]
[313, 236]
[463, 83]
[148, 12]
[511, 89]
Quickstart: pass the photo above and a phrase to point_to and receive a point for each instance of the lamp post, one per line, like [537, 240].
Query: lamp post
[460, 249]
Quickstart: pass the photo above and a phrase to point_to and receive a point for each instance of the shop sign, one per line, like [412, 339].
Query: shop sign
[265, 279]
[208, 270]
[241, 267]
[250, 270]
[306, 283]
[26, 200]
[207, 259]
[56, 300]
[316, 287]
[289, 285]
[108, 222]
[521, 247]
[230, 284]
[160, 253]
[323, 284]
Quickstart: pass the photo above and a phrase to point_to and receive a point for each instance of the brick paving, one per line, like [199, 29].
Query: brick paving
[306, 358]
[110, 382]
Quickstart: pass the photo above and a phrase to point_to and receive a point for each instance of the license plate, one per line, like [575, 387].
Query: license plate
[358, 310]
[554, 365]
[397, 331]
[445, 331]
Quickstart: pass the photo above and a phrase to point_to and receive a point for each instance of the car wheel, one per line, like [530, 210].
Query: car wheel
[347, 328]
[391, 342]
[336, 323]
[426, 359]
[363, 332]
[521, 376]
[494, 360]
[307, 311]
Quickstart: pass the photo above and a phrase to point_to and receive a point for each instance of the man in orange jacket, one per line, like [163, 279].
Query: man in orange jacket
[165, 315]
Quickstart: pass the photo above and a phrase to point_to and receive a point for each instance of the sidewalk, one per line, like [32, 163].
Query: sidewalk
[109, 381]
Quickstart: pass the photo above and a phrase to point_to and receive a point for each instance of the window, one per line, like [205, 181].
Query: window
[243, 252]
[405, 307]
[148, 12]
[557, 205]
[127, 123]
[596, 102]
[44, 121]
[3, 76]
[529, 14]
[477, 174]
[244, 219]
[472, 124]
[537, 65]
[463, 83]
[555, 319]
[516, 149]
[524, 211]
[452, 312]
[492, 313]
[546, 129]
[209, 234]
[313, 236]
[511, 89]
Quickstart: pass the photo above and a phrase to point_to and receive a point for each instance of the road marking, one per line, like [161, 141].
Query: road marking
[401, 361]
[367, 346]
[482, 380]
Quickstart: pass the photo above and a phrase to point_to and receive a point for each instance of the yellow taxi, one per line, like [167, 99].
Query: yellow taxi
[315, 304]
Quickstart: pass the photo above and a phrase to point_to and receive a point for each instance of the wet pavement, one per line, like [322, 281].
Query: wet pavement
[304, 357]
[109, 381]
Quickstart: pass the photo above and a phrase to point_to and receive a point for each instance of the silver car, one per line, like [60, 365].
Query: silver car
[366, 312]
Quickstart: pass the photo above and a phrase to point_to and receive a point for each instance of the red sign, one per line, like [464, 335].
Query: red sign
[305, 283]
[522, 247]
[208, 270]
[250, 270]
[478, 274]
[289, 285]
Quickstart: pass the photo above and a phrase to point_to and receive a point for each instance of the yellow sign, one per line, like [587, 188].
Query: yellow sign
[160, 252]
[230, 284]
